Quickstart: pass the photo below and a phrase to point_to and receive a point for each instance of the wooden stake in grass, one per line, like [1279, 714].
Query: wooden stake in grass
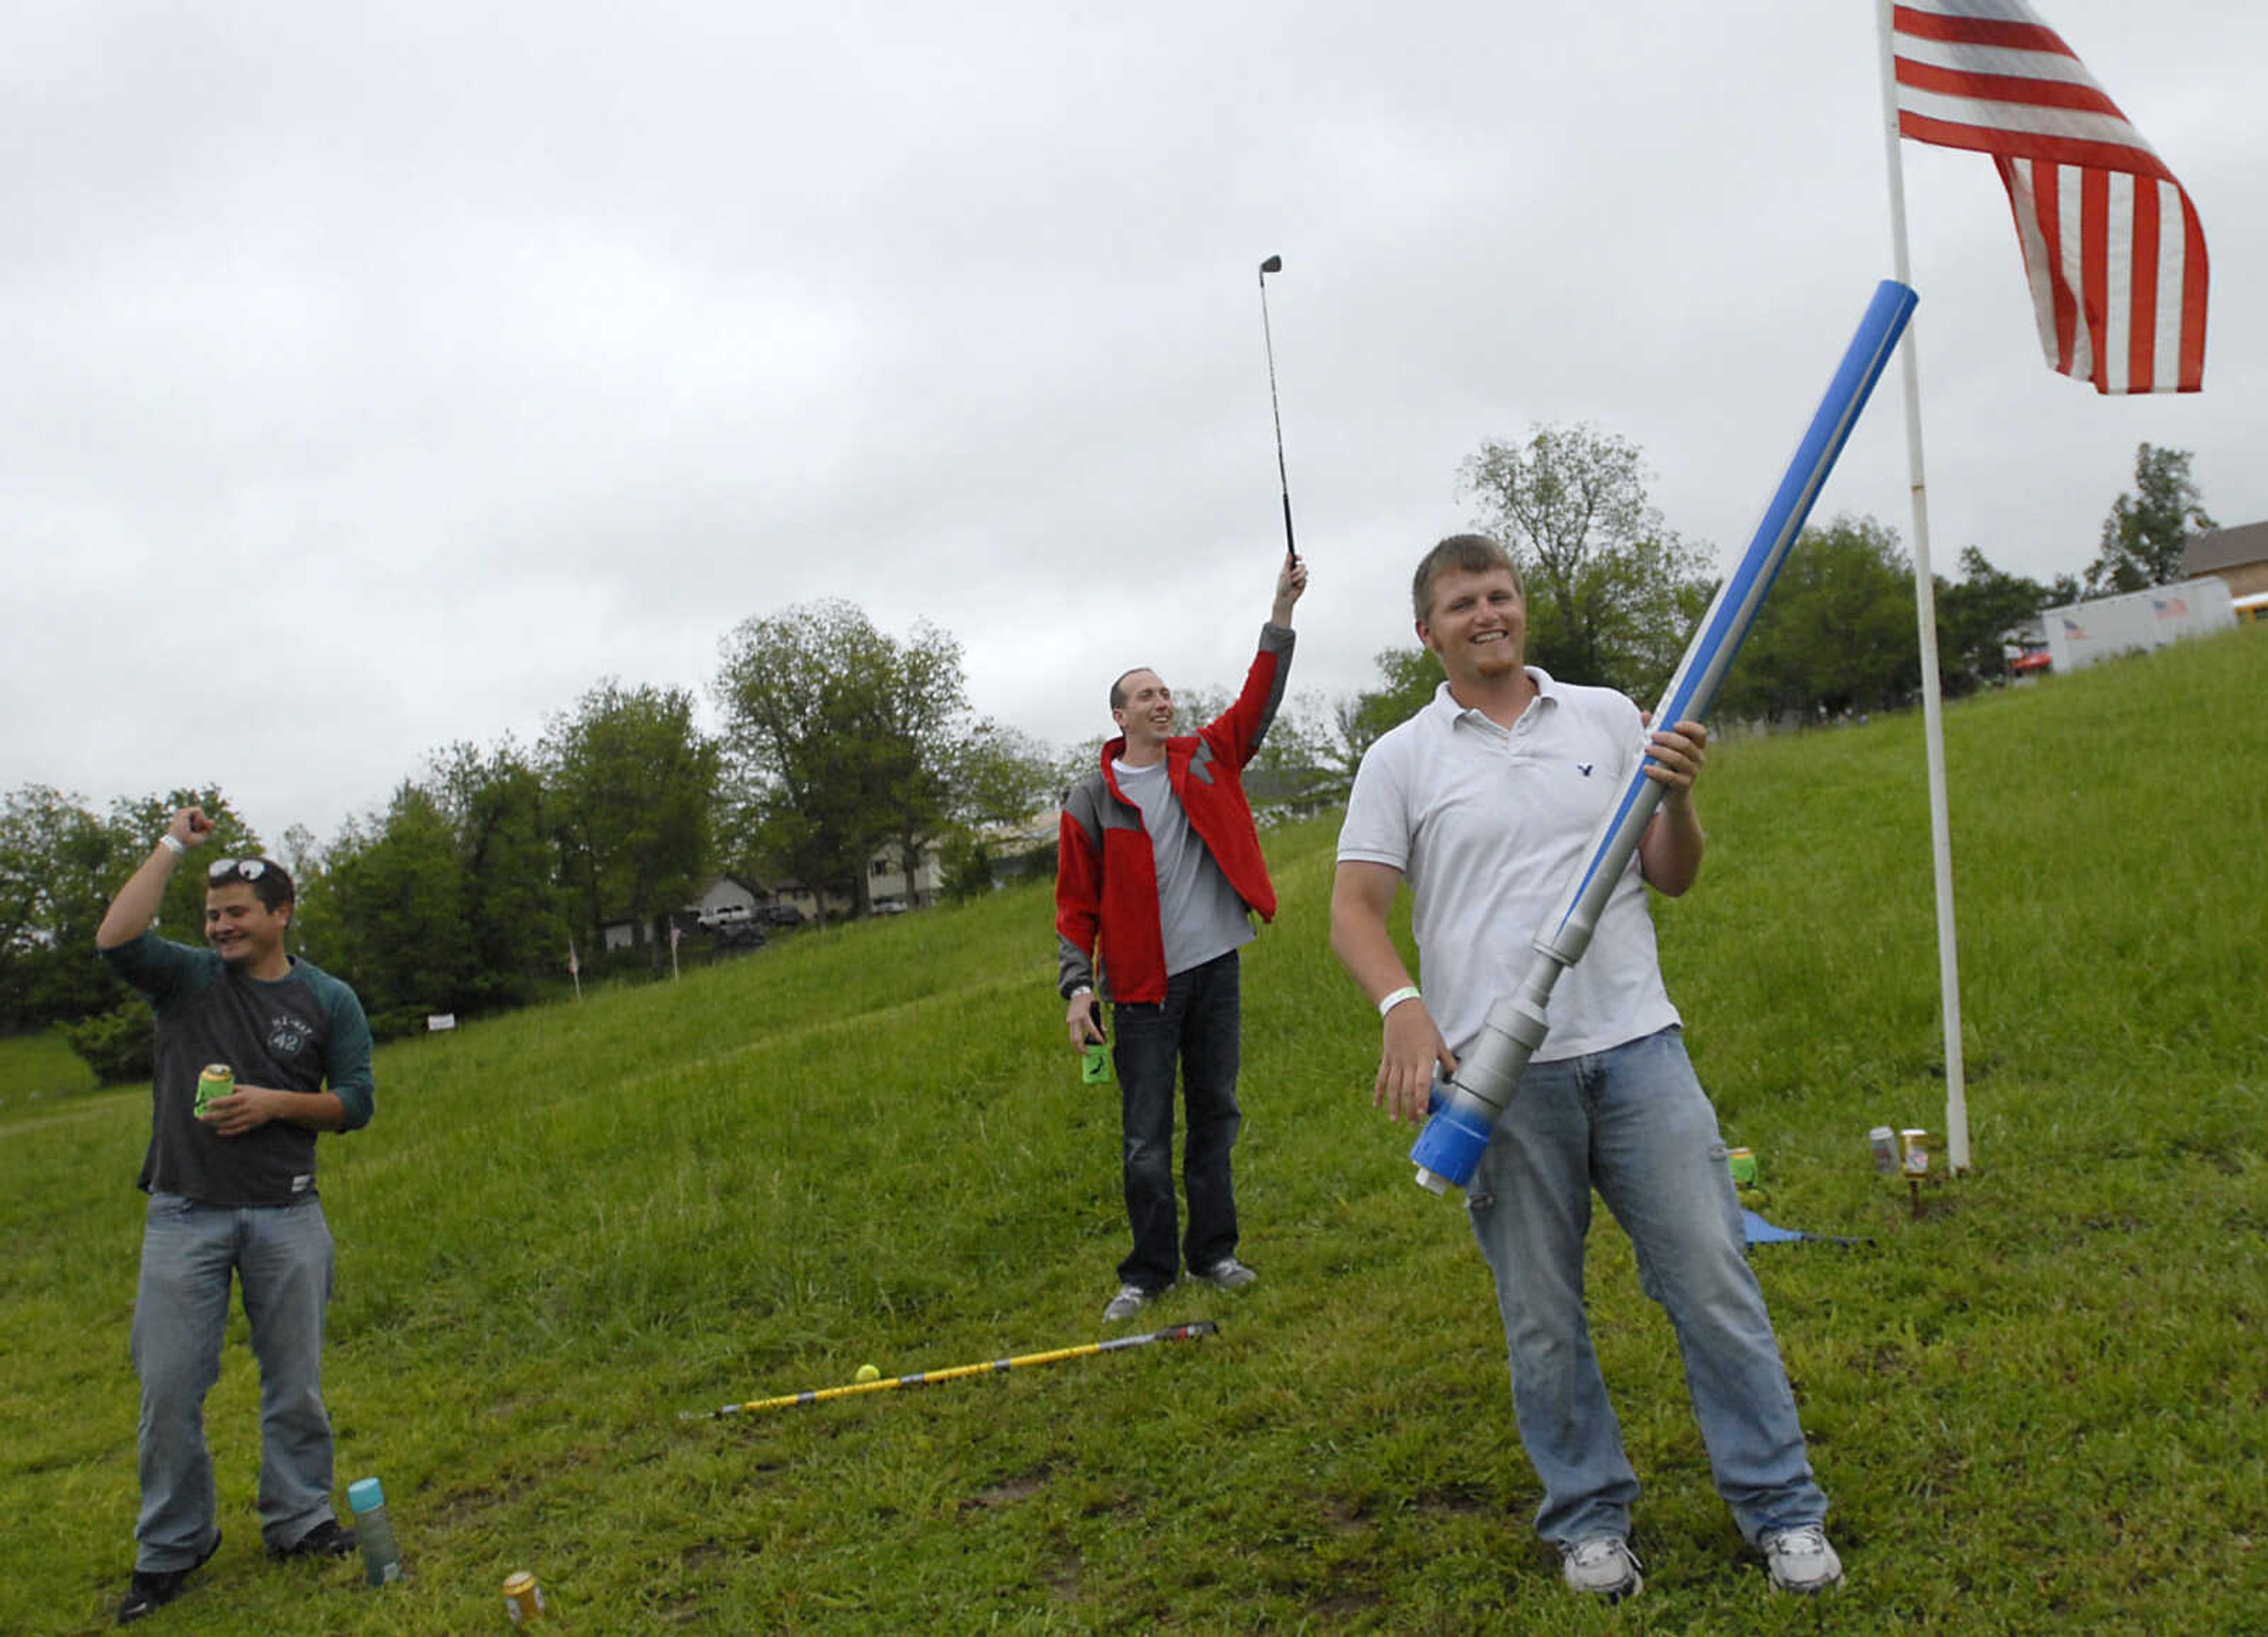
[927, 1378]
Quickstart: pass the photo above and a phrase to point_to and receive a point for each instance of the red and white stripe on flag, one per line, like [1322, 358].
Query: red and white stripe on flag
[2112, 245]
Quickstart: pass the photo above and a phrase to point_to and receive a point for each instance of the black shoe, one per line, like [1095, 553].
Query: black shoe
[154, 1588]
[326, 1539]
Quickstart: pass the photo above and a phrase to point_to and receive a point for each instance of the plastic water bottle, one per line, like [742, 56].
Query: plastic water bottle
[381, 1560]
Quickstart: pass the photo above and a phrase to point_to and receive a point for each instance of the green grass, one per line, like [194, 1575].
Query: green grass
[2037, 1407]
[38, 1068]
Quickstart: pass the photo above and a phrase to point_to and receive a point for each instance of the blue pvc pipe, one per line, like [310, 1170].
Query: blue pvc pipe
[1465, 1110]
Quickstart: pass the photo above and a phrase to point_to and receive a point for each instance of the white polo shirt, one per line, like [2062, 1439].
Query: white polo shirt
[1487, 825]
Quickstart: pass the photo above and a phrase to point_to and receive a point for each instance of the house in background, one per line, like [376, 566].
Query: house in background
[892, 886]
[2238, 558]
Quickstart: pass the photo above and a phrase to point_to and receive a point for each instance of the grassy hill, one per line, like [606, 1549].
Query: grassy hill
[2038, 1407]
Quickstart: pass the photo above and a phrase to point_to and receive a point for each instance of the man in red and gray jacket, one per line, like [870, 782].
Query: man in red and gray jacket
[1159, 862]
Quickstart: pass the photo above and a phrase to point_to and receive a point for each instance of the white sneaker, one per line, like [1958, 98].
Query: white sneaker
[1228, 1274]
[1800, 1561]
[1602, 1566]
[1130, 1300]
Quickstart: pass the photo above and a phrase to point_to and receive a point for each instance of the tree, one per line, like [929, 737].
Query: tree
[840, 738]
[59, 867]
[496, 806]
[1612, 592]
[393, 910]
[1974, 618]
[632, 785]
[2147, 533]
[1409, 678]
[1836, 634]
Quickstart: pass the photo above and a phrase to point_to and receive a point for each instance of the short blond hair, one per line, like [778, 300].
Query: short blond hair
[1474, 554]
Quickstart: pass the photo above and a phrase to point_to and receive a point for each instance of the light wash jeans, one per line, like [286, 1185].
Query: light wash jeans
[1194, 1028]
[1634, 1121]
[282, 1257]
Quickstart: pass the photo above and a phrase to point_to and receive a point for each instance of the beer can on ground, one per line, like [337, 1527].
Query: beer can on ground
[1884, 1141]
[216, 1080]
[1742, 1163]
[523, 1598]
[1913, 1152]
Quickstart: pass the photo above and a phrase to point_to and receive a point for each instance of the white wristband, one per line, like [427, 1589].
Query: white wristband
[172, 844]
[1407, 993]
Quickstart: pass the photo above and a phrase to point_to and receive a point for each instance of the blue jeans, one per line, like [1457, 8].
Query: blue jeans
[282, 1257]
[1197, 1026]
[1634, 1121]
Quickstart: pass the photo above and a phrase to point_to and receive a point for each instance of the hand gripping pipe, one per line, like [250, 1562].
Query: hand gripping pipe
[1465, 1110]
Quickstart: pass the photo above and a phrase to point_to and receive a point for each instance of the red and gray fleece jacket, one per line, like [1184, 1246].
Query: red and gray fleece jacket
[1106, 875]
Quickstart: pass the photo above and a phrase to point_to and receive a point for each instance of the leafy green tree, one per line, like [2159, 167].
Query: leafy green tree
[632, 784]
[2147, 532]
[1975, 614]
[1612, 591]
[59, 866]
[1408, 680]
[1001, 776]
[496, 808]
[841, 739]
[394, 902]
[1836, 634]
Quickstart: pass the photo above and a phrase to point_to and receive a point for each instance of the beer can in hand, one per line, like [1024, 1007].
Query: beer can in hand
[217, 1080]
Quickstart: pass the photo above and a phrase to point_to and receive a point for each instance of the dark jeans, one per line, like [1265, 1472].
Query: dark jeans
[1196, 1027]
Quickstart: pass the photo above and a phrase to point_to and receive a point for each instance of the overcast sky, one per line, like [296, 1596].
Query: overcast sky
[383, 377]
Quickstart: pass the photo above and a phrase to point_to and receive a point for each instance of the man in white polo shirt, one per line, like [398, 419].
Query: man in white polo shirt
[1483, 802]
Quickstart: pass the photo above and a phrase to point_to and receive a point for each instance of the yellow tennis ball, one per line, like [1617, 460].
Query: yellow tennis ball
[867, 1372]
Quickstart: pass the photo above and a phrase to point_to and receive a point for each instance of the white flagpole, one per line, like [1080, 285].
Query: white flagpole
[1940, 834]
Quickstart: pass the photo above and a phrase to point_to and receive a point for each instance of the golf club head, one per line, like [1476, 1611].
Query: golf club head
[1274, 264]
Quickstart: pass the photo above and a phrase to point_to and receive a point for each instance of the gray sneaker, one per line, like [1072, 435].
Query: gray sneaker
[1228, 1274]
[1130, 1300]
[1800, 1561]
[1602, 1566]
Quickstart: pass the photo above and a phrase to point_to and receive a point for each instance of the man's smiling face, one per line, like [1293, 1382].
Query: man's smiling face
[1478, 624]
[242, 930]
[1146, 718]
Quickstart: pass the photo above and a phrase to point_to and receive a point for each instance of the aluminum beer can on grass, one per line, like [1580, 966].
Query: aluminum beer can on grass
[216, 1080]
[523, 1598]
[1913, 1152]
[1742, 1163]
[1884, 1141]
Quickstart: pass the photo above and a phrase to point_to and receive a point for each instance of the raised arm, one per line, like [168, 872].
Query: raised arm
[135, 907]
[1290, 584]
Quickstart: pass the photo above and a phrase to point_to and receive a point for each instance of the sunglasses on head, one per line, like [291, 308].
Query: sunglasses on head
[236, 869]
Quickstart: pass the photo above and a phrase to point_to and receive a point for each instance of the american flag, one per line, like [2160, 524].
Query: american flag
[2112, 245]
[2073, 629]
[2171, 608]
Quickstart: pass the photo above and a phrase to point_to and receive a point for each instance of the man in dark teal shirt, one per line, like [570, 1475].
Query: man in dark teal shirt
[232, 1196]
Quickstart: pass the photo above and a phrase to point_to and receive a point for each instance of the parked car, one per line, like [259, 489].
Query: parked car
[736, 936]
[889, 906]
[783, 915]
[728, 915]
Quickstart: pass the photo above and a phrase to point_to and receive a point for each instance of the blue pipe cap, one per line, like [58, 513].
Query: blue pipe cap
[1450, 1147]
[365, 1494]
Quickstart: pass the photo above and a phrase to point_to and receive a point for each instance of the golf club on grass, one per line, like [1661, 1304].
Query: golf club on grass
[930, 1378]
[1274, 264]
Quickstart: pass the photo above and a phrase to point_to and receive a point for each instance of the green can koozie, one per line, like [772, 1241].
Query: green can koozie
[1094, 1063]
[217, 1080]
